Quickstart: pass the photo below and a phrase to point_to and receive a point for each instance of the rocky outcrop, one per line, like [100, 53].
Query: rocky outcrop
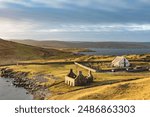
[20, 79]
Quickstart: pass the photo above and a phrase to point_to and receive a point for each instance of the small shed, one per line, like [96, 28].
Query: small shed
[78, 80]
[120, 61]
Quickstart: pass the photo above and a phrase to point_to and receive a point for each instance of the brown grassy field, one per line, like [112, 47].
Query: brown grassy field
[131, 90]
[117, 85]
[11, 52]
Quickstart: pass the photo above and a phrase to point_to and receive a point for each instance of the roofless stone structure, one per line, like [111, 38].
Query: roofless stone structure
[78, 80]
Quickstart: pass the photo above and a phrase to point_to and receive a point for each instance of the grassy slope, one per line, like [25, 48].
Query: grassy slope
[105, 86]
[11, 51]
[138, 89]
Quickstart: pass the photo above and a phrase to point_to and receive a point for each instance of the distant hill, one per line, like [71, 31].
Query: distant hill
[12, 51]
[74, 44]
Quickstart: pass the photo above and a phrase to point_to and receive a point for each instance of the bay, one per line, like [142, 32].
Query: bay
[116, 52]
[10, 92]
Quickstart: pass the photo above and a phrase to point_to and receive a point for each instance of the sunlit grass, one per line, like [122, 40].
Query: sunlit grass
[59, 88]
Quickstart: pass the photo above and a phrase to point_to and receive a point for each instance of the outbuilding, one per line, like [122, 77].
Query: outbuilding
[120, 61]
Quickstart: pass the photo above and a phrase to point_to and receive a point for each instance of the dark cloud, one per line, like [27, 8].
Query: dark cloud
[48, 16]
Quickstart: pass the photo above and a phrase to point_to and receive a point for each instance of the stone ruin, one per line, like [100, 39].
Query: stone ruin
[78, 80]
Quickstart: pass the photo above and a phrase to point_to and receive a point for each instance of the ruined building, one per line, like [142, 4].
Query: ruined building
[78, 80]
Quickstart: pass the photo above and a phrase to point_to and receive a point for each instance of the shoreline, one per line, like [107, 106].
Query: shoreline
[20, 79]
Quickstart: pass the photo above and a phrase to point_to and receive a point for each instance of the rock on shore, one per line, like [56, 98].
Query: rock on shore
[20, 79]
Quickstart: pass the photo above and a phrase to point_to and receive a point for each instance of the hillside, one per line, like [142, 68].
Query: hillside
[11, 52]
[137, 90]
[67, 44]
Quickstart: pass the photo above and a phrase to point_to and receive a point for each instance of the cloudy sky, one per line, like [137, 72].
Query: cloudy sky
[75, 20]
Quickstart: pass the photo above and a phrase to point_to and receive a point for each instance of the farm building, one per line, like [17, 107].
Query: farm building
[120, 61]
[78, 80]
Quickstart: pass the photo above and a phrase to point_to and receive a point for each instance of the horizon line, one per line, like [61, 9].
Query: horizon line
[72, 40]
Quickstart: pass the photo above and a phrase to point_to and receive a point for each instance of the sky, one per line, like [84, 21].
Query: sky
[76, 20]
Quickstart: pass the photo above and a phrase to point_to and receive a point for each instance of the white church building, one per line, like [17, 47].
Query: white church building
[120, 61]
